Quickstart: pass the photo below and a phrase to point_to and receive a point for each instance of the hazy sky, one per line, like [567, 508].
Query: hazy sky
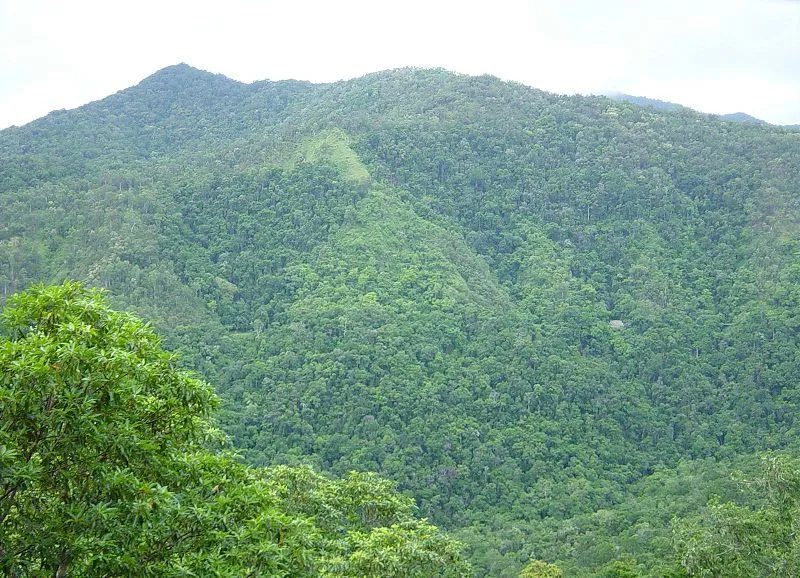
[713, 55]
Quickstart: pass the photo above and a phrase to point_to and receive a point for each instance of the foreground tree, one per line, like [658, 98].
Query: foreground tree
[757, 539]
[107, 468]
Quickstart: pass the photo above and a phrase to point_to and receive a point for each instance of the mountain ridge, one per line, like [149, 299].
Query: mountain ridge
[186, 72]
[671, 106]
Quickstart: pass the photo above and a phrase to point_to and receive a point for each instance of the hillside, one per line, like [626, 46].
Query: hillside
[555, 321]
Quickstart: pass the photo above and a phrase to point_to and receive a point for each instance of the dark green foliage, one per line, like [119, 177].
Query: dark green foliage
[423, 274]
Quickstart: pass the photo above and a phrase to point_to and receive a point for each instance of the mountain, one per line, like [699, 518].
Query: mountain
[557, 322]
[644, 101]
[665, 105]
[742, 117]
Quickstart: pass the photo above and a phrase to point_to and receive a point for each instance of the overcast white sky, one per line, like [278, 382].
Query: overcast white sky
[713, 55]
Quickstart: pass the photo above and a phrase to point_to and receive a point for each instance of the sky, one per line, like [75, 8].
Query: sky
[718, 56]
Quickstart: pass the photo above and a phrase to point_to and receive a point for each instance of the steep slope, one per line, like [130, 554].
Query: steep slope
[518, 305]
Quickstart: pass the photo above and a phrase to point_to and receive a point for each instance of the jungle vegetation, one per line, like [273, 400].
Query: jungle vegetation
[560, 324]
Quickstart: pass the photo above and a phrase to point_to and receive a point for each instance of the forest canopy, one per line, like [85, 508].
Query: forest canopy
[556, 322]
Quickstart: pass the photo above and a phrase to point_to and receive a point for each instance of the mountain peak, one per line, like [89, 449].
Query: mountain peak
[742, 117]
[183, 73]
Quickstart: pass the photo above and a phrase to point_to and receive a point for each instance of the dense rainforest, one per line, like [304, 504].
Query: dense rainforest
[559, 323]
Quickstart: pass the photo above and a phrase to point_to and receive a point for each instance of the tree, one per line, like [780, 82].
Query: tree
[620, 569]
[106, 467]
[756, 539]
[540, 569]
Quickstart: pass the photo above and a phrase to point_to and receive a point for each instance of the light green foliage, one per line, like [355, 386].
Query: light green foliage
[540, 569]
[94, 414]
[755, 538]
[106, 468]
[333, 147]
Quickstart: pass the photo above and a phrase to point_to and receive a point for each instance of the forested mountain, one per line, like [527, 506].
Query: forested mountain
[742, 117]
[645, 101]
[556, 322]
[671, 106]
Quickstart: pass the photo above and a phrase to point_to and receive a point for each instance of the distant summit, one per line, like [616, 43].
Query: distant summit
[644, 101]
[670, 106]
[742, 117]
[185, 73]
